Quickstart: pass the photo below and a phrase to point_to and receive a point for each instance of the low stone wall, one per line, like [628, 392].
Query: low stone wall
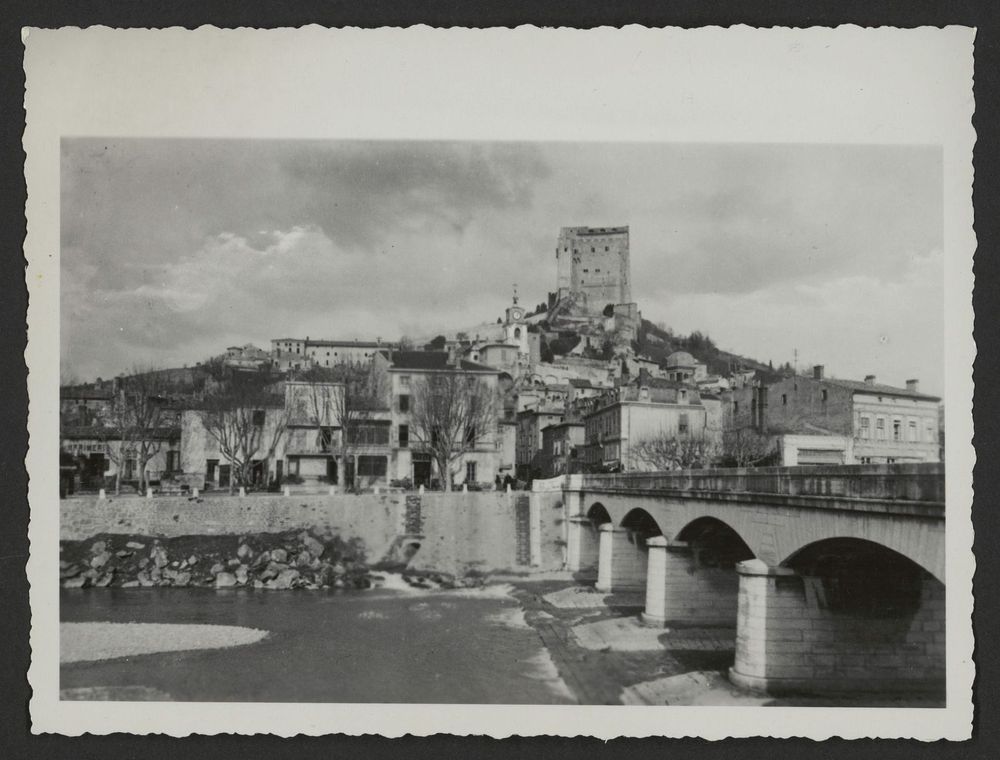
[456, 531]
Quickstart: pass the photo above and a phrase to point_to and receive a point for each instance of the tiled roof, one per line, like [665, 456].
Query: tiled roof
[879, 389]
[81, 432]
[433, 360]
[84, 393]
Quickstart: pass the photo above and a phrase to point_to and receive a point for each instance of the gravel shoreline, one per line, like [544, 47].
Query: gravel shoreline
[87, 642]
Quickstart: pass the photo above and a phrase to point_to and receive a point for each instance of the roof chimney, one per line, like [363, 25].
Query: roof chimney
[869, 379]
[818, 372]
[913, 385]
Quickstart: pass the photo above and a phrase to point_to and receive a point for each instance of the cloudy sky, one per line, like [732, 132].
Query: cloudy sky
[172, 250]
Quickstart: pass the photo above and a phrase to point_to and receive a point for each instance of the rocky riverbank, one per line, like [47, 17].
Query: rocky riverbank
[291, 560]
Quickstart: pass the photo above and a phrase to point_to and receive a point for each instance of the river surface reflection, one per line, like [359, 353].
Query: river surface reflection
[367, 646]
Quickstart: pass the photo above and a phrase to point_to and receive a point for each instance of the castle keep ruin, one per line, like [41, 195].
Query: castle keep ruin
[593, 268]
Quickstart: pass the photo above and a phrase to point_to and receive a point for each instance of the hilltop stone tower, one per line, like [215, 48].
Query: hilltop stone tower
[593, 268]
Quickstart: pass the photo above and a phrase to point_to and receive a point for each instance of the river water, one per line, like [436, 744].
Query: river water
[370, 646]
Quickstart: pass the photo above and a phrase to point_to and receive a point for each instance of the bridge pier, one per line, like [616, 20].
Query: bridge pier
[582, 544]
[622, 560]
[680, 588]
[793, 636]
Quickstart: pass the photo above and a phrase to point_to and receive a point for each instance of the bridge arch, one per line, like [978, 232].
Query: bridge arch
[716, 542]
[916, 543]
[598, 514]
[873, 619]
[863, 577]
[641, 524]
[624, 554]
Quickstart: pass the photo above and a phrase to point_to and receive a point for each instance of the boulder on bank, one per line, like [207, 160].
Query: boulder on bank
[225, 580]
[274, 560]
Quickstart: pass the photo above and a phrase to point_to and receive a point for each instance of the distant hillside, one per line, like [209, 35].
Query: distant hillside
[658, 344]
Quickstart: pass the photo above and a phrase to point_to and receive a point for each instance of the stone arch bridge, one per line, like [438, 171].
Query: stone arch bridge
[833, 577]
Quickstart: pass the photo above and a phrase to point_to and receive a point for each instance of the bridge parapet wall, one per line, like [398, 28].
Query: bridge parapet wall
[923, 482]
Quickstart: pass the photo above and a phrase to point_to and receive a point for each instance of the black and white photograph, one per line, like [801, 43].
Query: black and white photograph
[626, 395]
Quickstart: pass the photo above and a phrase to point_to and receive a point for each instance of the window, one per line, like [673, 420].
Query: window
[822, 395]
[210, 466]
[369, 432]
[470, 435]
[404, 436]
[890, 460]
[866, 460]
[517, 332]
[682, 425]
[606, 248]
[325, 439]
[897, 430]
[880, 428]
[404, 403]
[404, 381]
[293, 466]
[371, 467]
[258, 417]
[784, 399]
[470, 472]
[931, 436]
[866, 427]
[913, 435]
[592, 249]
[736, 407]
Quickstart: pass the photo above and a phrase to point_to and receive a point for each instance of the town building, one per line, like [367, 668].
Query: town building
[204, 464]
[618, 422]
[682, 367]
[246, 357]
[530, 423]
[302, 353]
[412, 462]
[83, 406]
[884, 424]
[91, 443]
[562, 444]
[94, 450]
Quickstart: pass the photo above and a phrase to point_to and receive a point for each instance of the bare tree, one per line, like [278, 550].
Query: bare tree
[245, 419]
[450, 410]
[670, 451]
[345, 396]
[742, 445]
[133, 429]
[144, 391]
[118, 434]
[318, 403]
[362, 393]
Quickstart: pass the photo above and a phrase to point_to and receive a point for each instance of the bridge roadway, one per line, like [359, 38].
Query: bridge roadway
[833, 577]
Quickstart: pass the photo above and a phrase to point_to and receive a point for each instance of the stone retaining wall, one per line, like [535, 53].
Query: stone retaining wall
[458, 531]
